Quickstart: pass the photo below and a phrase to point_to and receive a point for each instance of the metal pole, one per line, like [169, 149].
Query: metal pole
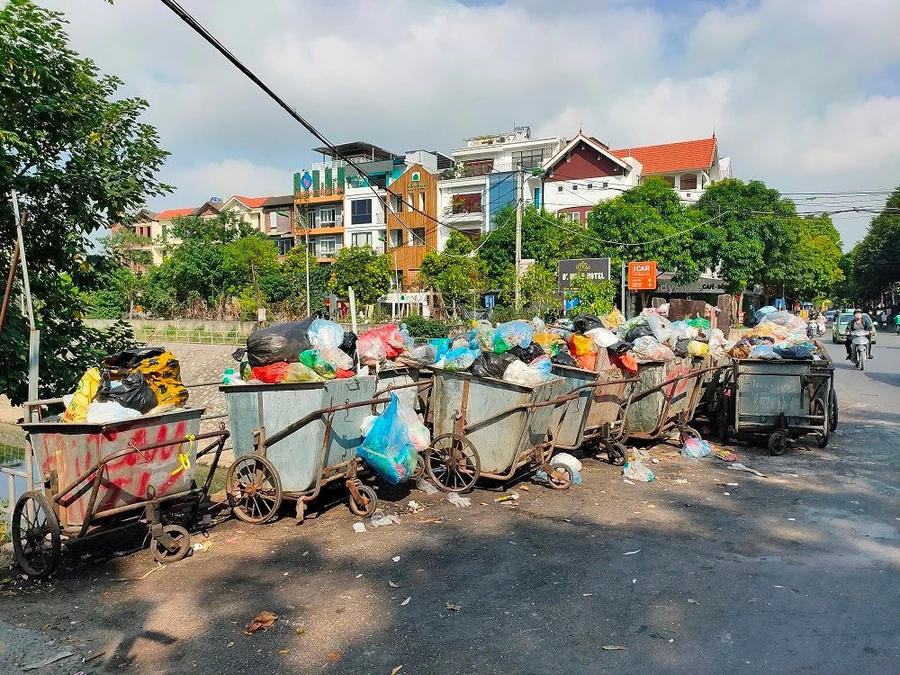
[519, 207]
[623, 289]
[25, 283]
[352, 295]
[10, 282]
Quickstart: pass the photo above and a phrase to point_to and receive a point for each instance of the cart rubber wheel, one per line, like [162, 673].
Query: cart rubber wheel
[182, 545]
[367, 509]
[777, 443]
[621, 428]
[452, 463]
[560, 477]
[36, 539]
[420, 467]
[254, 489]
[833, 409]
[616, 453]
[822, 437]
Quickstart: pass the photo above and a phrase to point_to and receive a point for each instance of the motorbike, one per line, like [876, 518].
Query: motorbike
[859, 348]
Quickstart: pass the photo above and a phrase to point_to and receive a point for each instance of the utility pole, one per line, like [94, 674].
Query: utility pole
[519, 207]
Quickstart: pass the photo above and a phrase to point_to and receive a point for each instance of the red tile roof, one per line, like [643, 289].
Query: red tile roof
[672, 157]
[174, 213]
[251, 202]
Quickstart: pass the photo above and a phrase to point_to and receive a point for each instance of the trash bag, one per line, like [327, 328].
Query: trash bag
[587, 322]
[418, 433]
[613, 320]
[492, 365]
[484, 335]
[163, 374]
[621, 347]
[535, 373]
[131, 392]
[624, 361]
[460, 342]
[635, 328]
[273, 373]
[512, 334]
[681, 347]
[648, 349]
[581, 345]
[602, 338]
[461, 358]
[336, 357]
[564, 359]
[681, 329]
[370, 350]
[312, 358]
[637, 471]
[588, 361]
[324, 333]
[127, 360]
[387, 448]
[418, 357]
[281, 342]
[441, 347]
[799, 351]
[107, 412]
[348, 344]
[762, 312]
[85, 392]
[300, 372]
[697, 348]
[695, 448]
[551, 342]
[791, 322]
[408, 341]
[703, 324]
[344, 374]
[661, 327]
[390, 336]
[527, 354]
[766, 352]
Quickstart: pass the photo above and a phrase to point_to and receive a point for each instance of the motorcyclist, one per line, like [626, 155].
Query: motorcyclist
[859, 322]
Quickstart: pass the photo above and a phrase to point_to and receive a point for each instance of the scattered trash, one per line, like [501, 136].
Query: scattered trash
[229, 645]
[414, 507]
[731, 484]
[613, 648]
[525, 487]
[230, 540]
[200, 546]
[655, 460]
[393, 585]
[284, 651]
[262, 621]
[792, 519]
[359, 576]
[381, 520]
[681, 481]
[694, 448]
[634, 581]
[630, 482]
[453, 607]
[95, 655]
[693, 602]
[396, 669]
[631, 552]
[456, 500]
[406, 602]
[640, 453]
[587, 595]
[511, 497]
[778, 586]
[359, 528]
[59, 656]
[158, 567]
[396, 558]
[727, 494]
[334, 656]
[426, 487]
[725, 455]
[636, 470]
[301, 631]
[740, 467]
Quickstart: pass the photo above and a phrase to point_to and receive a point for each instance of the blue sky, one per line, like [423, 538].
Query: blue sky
[803, 94]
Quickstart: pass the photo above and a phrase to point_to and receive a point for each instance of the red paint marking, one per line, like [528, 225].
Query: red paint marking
[162, 434]
[114, 489]
[142, 486]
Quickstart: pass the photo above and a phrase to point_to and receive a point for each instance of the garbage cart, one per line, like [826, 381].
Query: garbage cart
[100, 478]
[491, 428]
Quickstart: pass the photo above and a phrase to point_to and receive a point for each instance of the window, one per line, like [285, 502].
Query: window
[479, 168]
[537, 197]
[396, 203]
[576, 216]
[326, 216]
[362, 239]
[285, 245]
[326, 246]
[396, 238]
[529, 159]
[574, 186]
[559, 189]
[670, 180]
[421, 201]
[417, 236]
[590, 186]
[689, 181]
[605, 184]
[361, 211]
[467, 203]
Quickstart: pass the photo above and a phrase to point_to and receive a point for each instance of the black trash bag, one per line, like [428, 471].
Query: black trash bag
[587, 322]
[239, 354]
[641, 330]
[128, 359]
[493, 365]
[681, 347]
[565, 359]
[348, 346]
[527, 354]
[282, 342]
[132, 392]
[620, 347]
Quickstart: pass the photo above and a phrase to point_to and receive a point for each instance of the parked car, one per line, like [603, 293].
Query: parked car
[839, 330]
[830, 314]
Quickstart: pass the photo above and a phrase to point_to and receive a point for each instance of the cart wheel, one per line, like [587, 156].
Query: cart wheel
[182, 545]
[452, 463]
[367, 508]
[254, 489]
[35, 535]
[687, 433]
[420, 467]
[618, 429]
[560, 477]
[777, 443]
[832, 409]
[819, 408]
[616, 453]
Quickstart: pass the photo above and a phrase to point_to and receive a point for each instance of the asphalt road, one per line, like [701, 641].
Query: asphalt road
[793, 573]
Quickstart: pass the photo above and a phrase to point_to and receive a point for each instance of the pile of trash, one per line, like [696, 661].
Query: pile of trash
[127, 385]
[778, 335]
[392, 441]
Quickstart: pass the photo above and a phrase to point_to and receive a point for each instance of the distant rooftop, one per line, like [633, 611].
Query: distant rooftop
[358, 150]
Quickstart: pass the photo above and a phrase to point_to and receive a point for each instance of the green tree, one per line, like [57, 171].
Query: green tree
[877, 256]
[293, 272]
[456, 273]
[368, 272]
[79, 158]
[594, 297]
[247, 260]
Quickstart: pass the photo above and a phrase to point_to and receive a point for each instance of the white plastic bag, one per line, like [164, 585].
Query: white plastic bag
[324, 333]
[661, 327]
[107, 412]
[602, 338]
[637, 471]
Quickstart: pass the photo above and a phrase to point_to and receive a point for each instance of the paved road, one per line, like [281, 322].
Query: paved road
[794, 573]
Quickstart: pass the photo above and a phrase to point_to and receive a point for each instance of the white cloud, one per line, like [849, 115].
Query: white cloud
[795, 90]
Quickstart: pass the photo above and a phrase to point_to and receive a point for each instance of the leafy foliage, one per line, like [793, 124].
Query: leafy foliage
[456, 275]
[420, 327]
[594, 297]
[368, 272]
[876, 259]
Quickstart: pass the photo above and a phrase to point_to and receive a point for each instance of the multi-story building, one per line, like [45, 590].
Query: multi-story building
[278, 222]
[160, 229]
[483, 179]
[249, 209]
[412, 223]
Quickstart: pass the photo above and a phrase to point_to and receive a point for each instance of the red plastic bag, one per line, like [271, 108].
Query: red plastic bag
[625, 361]
[272, 373]
[344, 373]
[588, 361]
[389, 336]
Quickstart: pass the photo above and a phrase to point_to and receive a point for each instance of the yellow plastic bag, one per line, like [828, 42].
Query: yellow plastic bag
[549, 341]
[582, 344]
[697, 348]
[612, 320]
[300, 372]
[84, 394]
[163, 374]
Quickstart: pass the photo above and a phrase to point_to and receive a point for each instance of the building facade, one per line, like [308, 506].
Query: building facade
[412, 222]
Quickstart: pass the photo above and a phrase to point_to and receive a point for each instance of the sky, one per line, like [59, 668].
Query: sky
[802, 94]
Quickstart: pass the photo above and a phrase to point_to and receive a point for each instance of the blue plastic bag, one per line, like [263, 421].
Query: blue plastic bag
[512, 334]
[695, 448]
[324, 333]
[441, 347]
[387, 447]
[460, 358]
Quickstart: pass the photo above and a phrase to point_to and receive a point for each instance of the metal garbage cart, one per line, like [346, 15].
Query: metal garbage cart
[598, 414]
[99, 478]
[413, 389]
[780, 398]
[666, 397]
[491, 428]
[318, 432]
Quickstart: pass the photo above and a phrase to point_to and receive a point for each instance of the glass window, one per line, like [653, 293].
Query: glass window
[326, 245]
[421, 201]
[689, 181]
[396, 238]
[326, 216]
[361, 211]
[529, 159]
[362, 238]
[417, 236]
[670, 180]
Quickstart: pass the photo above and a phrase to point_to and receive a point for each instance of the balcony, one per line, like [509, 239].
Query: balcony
[325, 252]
